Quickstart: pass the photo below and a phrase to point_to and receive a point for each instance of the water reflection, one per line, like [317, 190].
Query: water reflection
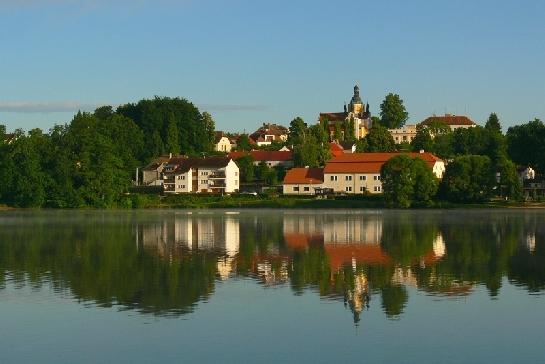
[167, 262]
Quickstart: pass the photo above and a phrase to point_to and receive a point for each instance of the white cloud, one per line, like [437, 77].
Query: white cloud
[45, 106]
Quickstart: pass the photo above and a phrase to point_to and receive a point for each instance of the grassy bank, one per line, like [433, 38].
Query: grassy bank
[151, 201]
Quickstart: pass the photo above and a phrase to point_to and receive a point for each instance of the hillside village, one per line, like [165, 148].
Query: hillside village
[266, 159]
[167, 146]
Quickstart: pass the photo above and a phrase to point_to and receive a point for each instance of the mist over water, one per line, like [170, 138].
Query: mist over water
[272, 285]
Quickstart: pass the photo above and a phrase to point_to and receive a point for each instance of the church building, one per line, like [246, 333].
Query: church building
[356, 116]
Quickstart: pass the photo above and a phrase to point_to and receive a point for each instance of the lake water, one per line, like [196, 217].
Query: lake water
[272, 286]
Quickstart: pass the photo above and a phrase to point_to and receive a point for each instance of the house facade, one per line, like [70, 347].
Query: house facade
[222, 143]
[405, 134]
[269, 133]
[200, 175]
[360, 172]
[303, 181]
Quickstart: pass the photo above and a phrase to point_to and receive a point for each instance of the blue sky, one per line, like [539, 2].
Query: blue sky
[249, 62]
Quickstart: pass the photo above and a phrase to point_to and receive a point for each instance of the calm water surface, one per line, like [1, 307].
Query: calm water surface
[272, 286]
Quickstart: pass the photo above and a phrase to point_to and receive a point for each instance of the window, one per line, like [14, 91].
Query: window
[376, 189]
[363, 178]
[204, 173]
[348, 178]
[348, 189]
[333, 178]
[236, 181]
[236, 174]
[296, 189]
[362, 189]
[181, 186]
[203, 182]
[306, 189]
[377, 177]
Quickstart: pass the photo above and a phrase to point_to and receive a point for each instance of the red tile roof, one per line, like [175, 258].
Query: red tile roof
[304, 176]
[369, 162]
[336, 149]
[333, 116]
[450, 120]
[265, 156]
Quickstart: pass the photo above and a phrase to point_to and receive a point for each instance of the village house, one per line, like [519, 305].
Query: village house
[269, 133]
[351, 173]
[151, 174]
[453, 121]
[356, 112]
[405, 134]
[303, 181]
[222, 143]
[200, 175]
[270, 158]
[360, 172]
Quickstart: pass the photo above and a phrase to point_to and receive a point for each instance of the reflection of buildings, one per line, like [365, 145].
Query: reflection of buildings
[180, 233]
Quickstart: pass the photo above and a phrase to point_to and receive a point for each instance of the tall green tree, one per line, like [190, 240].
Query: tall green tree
[407, 181]
[422, 140]
[297, 131]
[493, 123]
[526, 145]
[171, 140]
[392, 112]
[469, 178]
[380, 139]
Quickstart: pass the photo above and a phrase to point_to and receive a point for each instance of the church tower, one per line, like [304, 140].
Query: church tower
[356, 105]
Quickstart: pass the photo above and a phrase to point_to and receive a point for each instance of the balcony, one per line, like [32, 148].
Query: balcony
[216, 184]
[216, 175]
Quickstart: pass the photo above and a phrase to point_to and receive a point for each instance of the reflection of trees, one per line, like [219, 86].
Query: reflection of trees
[178, 257]
[98, 261]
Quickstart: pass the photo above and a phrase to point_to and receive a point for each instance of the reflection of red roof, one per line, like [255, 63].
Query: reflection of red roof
[336, 149]
[449, 120]
[265, 156]
[369, 162]
[302, 241]
[304, 176]
[340, 255]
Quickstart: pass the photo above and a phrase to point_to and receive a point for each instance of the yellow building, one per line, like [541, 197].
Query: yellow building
[356, 115]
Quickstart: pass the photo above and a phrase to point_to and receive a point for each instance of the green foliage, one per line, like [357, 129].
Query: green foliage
[361, 145]
[297, 131]
[380, 139]
[422, 140]
[406, 181]
[392, 112]
[313, 148]
[243, 143]
[493, 123]
[177, 121]
[468, 179]
[526, 144]
[246, 168]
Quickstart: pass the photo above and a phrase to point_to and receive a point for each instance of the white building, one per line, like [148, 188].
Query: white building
[360, 172]
[222, 143]
[200, 175]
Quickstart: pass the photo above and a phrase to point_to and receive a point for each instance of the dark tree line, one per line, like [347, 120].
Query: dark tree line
[91, 160]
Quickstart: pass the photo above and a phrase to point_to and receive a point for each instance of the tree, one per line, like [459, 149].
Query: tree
[361, 145]
[392, 112]
[422, 140]
[246, 168]
[243, 143]
[509, 185]
[380, 139]
[210, 131]
[469, 178]
[525, 144]
[407, 180]
[493, 123]
[297, 131]
[171, 139]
